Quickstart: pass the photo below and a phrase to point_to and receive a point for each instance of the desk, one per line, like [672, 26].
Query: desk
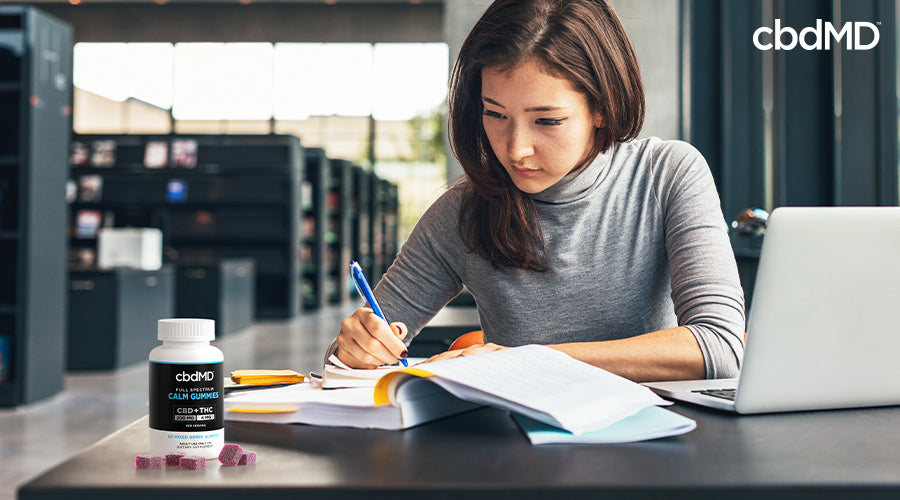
[483, 455]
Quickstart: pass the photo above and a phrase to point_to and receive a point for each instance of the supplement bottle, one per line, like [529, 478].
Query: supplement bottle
[186, 389]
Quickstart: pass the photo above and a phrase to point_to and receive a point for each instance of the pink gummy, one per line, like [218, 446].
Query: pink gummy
[191, 462]
[148, 461]
[247, 458]
[230, 454]
[173, 458]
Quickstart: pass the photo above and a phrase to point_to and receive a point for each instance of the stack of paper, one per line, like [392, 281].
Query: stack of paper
[350, 407]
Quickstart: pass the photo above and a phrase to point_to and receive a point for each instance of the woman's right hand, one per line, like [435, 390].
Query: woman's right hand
[366, 341]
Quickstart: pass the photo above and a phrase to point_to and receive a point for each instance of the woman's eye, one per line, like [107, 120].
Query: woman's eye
[550, 121]
[492, 114]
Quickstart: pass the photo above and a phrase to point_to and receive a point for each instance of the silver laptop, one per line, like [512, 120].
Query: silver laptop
[824, 325]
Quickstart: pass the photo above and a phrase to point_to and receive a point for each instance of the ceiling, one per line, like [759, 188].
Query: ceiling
[175, 21]
[236, 2]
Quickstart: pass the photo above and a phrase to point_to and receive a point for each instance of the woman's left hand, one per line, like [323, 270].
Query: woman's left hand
[468, 351]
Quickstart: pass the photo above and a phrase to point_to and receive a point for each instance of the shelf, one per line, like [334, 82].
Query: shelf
[198, 205]
[244, 241]
[248, 186]
[34, 147]
[205, 168]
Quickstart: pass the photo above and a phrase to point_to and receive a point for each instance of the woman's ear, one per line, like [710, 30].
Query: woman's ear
[598, 120]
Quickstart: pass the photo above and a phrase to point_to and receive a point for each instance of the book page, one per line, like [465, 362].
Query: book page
[339, 375]
[539, 382]
[294, 396]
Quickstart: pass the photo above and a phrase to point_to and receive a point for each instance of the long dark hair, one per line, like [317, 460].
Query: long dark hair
[582, 41]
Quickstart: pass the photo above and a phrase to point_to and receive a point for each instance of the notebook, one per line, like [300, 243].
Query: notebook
[824, 327]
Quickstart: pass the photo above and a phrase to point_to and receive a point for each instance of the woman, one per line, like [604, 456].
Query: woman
[567, 230]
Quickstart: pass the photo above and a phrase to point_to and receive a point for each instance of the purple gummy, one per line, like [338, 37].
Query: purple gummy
[247, 458]
[148, 461]
[230, 454]
[191, 462]
[173, 458]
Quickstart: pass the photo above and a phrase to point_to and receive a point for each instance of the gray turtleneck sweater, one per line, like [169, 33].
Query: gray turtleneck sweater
[637, 243]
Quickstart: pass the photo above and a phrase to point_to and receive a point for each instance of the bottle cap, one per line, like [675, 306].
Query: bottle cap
[186, 329]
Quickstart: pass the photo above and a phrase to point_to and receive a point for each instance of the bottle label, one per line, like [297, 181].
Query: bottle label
[186, 397]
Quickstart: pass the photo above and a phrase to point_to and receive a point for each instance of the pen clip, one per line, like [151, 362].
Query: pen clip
[354, 269]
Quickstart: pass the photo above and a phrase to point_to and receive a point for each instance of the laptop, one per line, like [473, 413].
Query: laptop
[824, 325]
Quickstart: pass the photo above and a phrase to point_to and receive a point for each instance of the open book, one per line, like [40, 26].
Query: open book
[535, 381]
[338, 375]
[349, 407]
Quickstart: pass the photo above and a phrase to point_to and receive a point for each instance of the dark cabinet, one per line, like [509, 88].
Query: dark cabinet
[222, 290]
[113, 315]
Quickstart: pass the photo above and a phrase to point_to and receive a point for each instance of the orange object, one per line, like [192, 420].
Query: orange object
[467, 339]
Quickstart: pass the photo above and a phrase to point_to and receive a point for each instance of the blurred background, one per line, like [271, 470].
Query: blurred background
[273, 140]
[225, 159]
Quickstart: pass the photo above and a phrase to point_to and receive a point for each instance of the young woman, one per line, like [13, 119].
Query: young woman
[567, 230]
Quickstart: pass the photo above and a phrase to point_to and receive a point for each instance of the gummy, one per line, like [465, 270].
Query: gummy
[148, 461]
[173, 458]
[247, 458]
[230, 454]
[191, 462]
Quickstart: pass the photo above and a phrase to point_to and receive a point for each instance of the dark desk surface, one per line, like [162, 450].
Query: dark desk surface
[482, 454]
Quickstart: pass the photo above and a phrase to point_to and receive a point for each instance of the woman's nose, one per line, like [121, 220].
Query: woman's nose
[519, 144]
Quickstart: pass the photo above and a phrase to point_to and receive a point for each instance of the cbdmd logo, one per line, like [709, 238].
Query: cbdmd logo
[194, 377]
[857, 36]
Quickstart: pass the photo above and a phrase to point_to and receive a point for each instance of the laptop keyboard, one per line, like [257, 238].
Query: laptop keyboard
[718, 393]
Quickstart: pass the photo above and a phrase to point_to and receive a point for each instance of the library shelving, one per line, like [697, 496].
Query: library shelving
[314, 246]
[213, 197]
[337, 237]
[383, 220]
[376, 237]
[360, 217]
[35, 119]
[390, 219]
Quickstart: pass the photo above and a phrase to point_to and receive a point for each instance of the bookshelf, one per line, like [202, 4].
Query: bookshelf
[338, 250]
[35, 105]
[360, 217]
[314, 231]
[383, 220]
[390, 223]
[213, 197]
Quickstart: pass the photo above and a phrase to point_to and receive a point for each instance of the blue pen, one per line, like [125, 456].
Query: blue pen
[365, 291]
